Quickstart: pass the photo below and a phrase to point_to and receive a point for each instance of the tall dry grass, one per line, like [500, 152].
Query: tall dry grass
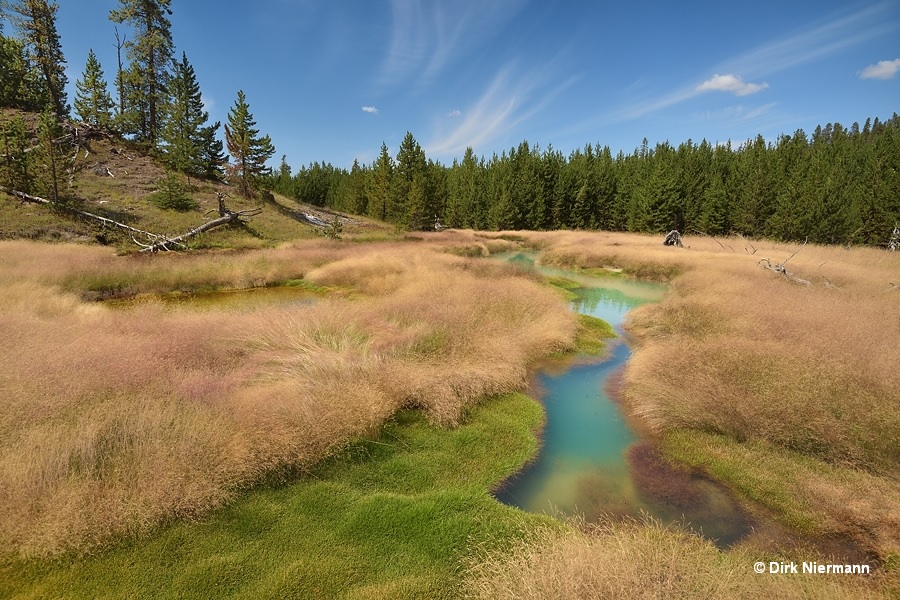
[738, 350]
[115, 421]
[644, 560]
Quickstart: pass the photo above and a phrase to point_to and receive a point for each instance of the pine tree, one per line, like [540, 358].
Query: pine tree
[144, 83]
[378, 188]
[51, 156]
[188, 144]
[173, 194]
[17, 79]
[36, 20]
[249, 152]
[357, 201]
[284, 184]
[17, 172]
[409, 205]
[93, 104]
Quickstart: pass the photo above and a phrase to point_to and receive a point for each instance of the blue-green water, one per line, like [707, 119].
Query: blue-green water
[591, 462]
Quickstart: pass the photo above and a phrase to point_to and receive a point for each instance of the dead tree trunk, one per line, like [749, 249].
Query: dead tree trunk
[227, 216]
[673, 238]
[153, 237]
[782, 270]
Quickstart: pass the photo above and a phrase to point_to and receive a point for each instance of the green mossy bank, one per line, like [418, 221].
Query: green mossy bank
[391, 516]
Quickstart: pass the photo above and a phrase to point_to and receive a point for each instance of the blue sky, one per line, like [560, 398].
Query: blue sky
[330, 80]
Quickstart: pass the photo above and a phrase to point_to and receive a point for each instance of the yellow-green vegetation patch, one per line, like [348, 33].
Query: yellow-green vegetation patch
[391, 516]
[601, 272]
[302, 284]
[565, 287]
[756, 470]
[590, 338]
[592, 335]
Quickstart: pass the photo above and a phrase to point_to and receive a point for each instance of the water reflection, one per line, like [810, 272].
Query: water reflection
[591, 463]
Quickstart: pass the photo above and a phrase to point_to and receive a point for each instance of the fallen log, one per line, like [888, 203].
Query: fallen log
[157, 242]
[83, 213]
[782, 270]
[227, 217]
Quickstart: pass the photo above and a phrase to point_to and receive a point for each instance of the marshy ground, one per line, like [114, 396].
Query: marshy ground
[126, 431]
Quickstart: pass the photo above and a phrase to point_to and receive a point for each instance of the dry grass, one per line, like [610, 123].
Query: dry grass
[115, 421]
[777, 368]
[644, 560]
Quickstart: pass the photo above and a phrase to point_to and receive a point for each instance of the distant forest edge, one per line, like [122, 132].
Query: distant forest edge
[836, 186]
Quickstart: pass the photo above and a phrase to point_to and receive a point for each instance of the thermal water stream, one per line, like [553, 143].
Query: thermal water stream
[591, 462]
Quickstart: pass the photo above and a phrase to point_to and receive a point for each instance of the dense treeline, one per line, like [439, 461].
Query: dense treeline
[159, 101]
[836, 186]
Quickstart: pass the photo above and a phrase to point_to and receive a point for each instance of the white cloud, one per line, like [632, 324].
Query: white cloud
[370, 109]
[454, 113]
[884, 69]
[426, 35]
[817, 41]
[509, 100]
[731, 83]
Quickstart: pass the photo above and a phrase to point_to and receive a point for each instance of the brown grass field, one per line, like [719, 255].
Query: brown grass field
[789, 394]
[640, 560]
[118, 419]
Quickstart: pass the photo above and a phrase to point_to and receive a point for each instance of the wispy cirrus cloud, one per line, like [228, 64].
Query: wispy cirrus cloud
[427, 35]
[370, 109]
[815, 42]
[735, 113]
[883, 69]
[510, 99]
[730, 83]
[455, 113]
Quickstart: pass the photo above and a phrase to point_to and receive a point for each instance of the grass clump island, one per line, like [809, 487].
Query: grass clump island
[347, 445]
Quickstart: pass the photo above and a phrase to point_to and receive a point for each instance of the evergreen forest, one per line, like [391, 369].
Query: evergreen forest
[837, 185]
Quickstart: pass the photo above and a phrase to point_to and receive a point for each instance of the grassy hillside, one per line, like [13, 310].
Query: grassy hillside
[115, 179]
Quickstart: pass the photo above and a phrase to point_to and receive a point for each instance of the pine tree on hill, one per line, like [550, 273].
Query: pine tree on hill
[212, 152]
[36, 20]
[19, 86]
[51, 156]
[144, 82]
[188, 144]
[93, 104]
[249, 152]
[16, 169]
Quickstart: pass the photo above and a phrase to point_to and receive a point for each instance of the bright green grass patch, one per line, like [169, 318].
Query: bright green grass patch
[758, 471]
[590, 338]
[564, 287]
[393, 516]
[592, 335]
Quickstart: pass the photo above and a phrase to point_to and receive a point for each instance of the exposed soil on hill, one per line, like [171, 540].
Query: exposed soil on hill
[116, 179]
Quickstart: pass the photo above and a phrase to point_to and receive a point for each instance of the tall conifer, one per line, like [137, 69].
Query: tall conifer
[93, 104]
[144, 83]
[189, 145]
[378, 188]
[249, 152]
[36, 20]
